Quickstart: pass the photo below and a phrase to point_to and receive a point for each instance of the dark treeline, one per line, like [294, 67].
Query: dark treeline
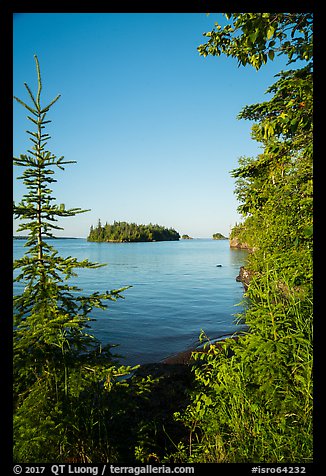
[121, 231]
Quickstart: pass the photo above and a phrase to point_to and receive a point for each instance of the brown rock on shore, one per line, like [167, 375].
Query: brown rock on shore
[236, 243]
[244, 277]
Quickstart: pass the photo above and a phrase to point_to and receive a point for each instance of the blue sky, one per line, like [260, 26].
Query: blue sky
[151, 124]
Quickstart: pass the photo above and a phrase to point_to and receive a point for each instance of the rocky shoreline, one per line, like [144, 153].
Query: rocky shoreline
[236, 243]
[244, 277]
[185, 357]
[179, 365]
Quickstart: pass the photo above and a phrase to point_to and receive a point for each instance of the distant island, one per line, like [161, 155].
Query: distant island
[123, 232]
[219, 236]
[186, 237]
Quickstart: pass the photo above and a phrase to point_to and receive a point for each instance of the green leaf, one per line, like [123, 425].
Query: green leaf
[270, 32]
[271, 54]
[308, 231]
[253, 36]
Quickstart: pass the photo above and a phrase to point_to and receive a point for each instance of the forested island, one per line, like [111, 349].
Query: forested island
[219, 236]
[123, 232]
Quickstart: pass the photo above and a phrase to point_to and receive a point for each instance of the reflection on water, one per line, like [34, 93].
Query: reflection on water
[178, 289]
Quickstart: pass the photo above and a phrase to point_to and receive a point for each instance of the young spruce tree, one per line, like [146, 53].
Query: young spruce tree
[55, 358]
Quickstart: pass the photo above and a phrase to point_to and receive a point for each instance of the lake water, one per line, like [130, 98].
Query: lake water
[177, 290]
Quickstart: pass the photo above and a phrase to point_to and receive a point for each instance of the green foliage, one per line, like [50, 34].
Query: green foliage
[275, 189]
[73, 402]
[55, 358]
[97, 418]
[131, 232]
[255, 38]
[253, 401]
[50, 313]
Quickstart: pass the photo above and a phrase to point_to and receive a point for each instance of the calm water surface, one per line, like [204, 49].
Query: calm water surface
[177, 290]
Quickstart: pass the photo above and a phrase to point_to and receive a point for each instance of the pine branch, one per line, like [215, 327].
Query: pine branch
[26, 106]
[39, 81]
